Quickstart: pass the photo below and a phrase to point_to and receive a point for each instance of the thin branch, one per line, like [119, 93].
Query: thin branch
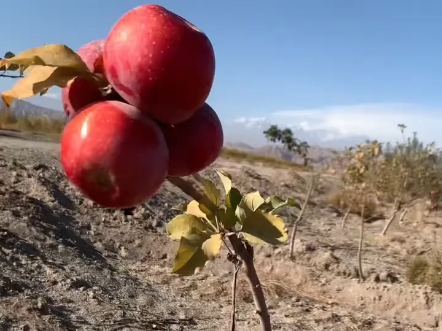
[198, 178]
[295, 227]
[236, 267]
[344, 218]
[10, 76]
[187, 188]
[227, 246]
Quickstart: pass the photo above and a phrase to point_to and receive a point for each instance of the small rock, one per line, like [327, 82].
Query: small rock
[388, 277]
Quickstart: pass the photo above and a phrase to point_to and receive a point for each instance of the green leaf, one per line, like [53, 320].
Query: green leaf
[260, 227]
[275, 202]
[182, 207]
[212, 246]
[211, 198]
[233, 198]
[211, 192]
[190, 254]
[229, 219]
[206, 211]
[226, 179]
[252, 200]
[184, 223]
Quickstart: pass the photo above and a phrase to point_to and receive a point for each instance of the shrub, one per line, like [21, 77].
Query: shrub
[34, 124]
[404, 171]
[426, 271]
[350, 198]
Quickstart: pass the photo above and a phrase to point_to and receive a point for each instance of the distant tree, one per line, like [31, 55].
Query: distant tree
[302, 149]
[285, 136]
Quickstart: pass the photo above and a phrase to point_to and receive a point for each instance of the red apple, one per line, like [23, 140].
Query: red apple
[194, 144]
[83, 92]
[114, 155]
[79, 94]
[160, 63]
[92, 55]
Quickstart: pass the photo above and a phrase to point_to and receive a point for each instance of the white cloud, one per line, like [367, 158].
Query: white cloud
[54, 96]
[375, 120]
[252, 122]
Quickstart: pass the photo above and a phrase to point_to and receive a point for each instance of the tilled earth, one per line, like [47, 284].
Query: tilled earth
[67, 264]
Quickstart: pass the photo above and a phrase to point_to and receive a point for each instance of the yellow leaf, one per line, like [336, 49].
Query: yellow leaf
[226, 179]
[241, 214]
[8, 98]
[212, 246]
[260, 227]
[184, 223]
[376, 150]
[193, 208]
[41, 78]
[252, 200]
[190, 255]
[43, 92]
[54, 55]
[199, 210]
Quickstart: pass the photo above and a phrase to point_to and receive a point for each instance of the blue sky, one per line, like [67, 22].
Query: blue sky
[329, 69]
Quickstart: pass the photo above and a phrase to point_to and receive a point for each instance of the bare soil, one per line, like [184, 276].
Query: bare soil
[67, 264]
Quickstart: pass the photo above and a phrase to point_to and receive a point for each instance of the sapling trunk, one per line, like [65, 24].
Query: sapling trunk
[361, 241]
[293, 238]
[244, 252]
[401, 218]
[391, 219]
[299, 219]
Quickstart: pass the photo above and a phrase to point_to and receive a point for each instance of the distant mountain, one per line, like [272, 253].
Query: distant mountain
[25, 108]
[320, 156]
[240, 146]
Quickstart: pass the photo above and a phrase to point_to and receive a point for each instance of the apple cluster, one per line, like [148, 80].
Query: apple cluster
[152, 121]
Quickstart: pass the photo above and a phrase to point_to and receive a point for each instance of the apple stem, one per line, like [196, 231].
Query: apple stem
[242, 249]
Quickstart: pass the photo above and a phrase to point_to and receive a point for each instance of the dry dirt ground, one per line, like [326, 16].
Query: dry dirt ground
[69, 265]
